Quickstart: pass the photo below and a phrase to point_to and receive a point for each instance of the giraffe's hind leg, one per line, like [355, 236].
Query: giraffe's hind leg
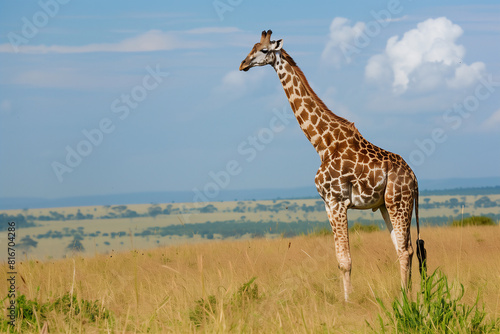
[400, 219]
[387, 219]
[337, 214]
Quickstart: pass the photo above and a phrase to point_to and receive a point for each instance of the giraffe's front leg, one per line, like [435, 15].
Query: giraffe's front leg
[337, 214]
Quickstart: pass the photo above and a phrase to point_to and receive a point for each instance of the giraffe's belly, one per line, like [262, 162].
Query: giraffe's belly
[362, 197]
[362, 203]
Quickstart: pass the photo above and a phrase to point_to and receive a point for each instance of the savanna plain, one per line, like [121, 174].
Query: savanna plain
[261, 285]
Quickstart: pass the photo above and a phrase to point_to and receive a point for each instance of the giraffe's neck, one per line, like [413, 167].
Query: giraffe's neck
[322, 127]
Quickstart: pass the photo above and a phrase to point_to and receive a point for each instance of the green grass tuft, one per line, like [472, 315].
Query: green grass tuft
[32, 313]
[437, 309]
[205, 309]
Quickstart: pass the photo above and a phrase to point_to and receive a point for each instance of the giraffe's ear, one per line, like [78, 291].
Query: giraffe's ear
[277, 45]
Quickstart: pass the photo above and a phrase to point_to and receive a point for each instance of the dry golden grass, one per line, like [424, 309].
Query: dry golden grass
[299, 287]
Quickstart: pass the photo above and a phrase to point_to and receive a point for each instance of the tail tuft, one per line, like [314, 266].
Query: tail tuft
[421, 252]
[422, 257]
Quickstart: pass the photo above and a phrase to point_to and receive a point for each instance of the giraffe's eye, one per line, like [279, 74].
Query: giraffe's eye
[263, 51]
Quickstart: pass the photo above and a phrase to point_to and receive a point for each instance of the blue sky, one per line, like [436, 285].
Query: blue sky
[125, 96]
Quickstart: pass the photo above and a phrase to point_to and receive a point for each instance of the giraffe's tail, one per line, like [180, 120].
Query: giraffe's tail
[421, 252]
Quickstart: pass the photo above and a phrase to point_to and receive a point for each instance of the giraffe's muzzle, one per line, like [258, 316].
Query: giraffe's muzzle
[244, 66]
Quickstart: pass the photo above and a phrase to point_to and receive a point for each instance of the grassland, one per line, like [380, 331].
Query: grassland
[208, 287]
[108, 229]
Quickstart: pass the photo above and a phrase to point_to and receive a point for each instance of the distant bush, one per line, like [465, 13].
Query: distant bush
[474, 221]
[21, 221]
[27, 243]
[357, 227]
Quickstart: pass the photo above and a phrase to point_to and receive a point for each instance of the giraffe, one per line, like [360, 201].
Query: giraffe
[354, 173]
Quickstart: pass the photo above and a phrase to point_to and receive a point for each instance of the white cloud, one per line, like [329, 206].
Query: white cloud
[424, 58]
[396, 19]
[493, 122]
[153, 40]
[341, 41]
[376, 68]
[466, 75]
[235, 83]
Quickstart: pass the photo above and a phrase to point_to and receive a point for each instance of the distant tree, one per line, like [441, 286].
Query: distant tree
[260, 207]
[78, 237]
[76, 245]
[208, 209]
[57, 234]
[168, 209]
[453, 202]
[130, 214]
[320, 205]
[240, 207]
[56, 215]
[154, 210]
[26, 243]
[80, 215]
[19, 219]
[485, 202]
[120, 208]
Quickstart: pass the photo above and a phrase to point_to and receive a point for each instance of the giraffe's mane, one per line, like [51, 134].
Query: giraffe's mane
[311, 92]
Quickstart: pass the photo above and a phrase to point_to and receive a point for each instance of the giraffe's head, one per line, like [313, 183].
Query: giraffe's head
[262, 53]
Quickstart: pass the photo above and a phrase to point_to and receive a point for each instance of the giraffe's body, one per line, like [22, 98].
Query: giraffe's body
[354, 174]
